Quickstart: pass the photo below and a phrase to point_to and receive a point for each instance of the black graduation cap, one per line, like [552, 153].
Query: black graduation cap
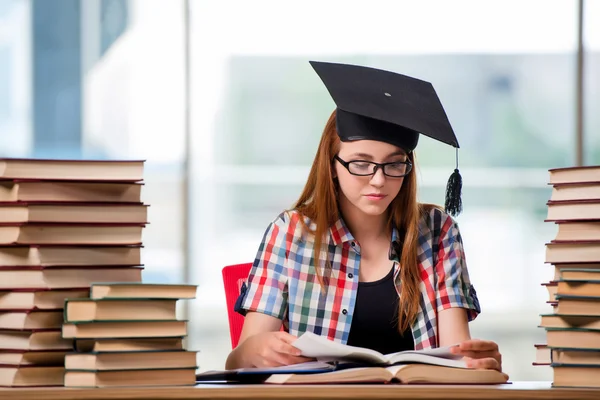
[374, 104]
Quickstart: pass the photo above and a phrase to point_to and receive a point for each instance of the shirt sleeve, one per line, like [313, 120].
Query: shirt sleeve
[454, 288]
[266, 290]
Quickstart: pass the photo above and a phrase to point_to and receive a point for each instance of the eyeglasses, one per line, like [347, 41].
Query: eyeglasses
[396, 169]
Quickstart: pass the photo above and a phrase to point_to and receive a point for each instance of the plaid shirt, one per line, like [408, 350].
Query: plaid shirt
[282, 282]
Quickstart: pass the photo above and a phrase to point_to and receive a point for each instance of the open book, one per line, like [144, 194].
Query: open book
[323, 349]
[339, 363]
[400, 373]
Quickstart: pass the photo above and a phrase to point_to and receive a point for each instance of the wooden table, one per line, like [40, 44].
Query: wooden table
[516, 390]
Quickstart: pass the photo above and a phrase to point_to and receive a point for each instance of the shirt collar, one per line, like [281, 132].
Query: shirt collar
[339, 234]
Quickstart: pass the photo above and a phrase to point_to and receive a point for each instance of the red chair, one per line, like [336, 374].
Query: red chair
[233, 278]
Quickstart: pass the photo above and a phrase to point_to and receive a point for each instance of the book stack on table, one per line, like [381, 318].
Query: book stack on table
[573, 327]
[64, 224]
[128, 335]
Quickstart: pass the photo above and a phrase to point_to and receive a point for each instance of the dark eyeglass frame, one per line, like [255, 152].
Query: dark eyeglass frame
[346, 165]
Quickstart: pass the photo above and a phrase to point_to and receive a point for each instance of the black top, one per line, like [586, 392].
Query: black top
[375, 320]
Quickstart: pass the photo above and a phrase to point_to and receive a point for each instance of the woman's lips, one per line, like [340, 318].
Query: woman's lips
[375, 197]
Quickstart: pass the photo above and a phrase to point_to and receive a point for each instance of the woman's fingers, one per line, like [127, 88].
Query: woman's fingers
[476, 345]
[478, 354]
[484, 363]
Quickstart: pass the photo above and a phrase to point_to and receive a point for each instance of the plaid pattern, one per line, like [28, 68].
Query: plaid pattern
[282, 282]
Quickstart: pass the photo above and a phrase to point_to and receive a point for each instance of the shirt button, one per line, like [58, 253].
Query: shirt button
[352, 244]
[350, 275]
[344, 311]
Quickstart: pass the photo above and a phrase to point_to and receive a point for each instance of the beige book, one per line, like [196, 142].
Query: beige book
[552, 288]
[579, 288]
[128, 345]
[578, 231]
[142, 290]
[157, 377]
[543, 355]
[574, 175]
[31, 319]
[573, 252]
[119, 192]
[24, 376]
[570, 321]
[27, 340]
[578, 267]
[61, 256]
[573, 337]
[578, 274]
[130, 329]
[71, 234]
[40, 358]
[576, 191]
[576, 356]
[41, 299]
[55, 278]
[77, 310]
[92, 170]
[578, 305]
[73, 213]
[570, 376]
[405, 373]
[131, 360]
[573, 210]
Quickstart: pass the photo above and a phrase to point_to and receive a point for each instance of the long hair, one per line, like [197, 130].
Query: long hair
[318, 202]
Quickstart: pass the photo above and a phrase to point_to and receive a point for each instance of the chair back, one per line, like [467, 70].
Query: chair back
[234, 277]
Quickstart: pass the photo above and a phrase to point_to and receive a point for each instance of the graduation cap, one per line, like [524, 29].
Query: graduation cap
[374, 104]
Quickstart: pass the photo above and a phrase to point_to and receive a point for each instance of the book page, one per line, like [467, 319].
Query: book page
[323, 349]
[438, 356]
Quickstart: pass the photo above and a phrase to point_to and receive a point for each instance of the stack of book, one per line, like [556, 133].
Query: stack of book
[63, 225]
[573, 328]
[128, 335]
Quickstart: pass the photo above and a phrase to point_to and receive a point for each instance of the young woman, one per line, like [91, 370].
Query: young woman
[358, 259]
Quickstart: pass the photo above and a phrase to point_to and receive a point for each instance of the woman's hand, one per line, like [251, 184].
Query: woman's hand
[271, 349]
[479, 354]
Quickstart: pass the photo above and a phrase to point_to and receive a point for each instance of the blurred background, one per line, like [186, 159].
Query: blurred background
[219, 98]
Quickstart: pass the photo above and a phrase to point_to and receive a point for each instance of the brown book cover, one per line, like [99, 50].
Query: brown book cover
[72, 213]
[49, 169]
[70, 191]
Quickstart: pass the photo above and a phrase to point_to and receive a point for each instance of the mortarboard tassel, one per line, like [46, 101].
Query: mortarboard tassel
[453, 192]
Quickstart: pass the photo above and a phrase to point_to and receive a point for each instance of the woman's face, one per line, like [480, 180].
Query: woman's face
[372, 194]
